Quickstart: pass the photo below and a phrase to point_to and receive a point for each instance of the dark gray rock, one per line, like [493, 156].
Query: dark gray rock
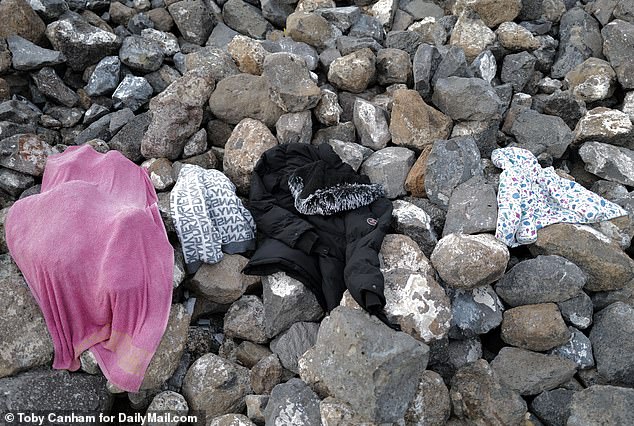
[540, 280]
[552, 407]
[425, 62]
[139, 23]
[294, 127]
[354, 343]
[266, 374]
[475, 312]
[290, 84]
[276, 11]
[341, 17]
[414, 222]
[293, 403]
[346, 44]
[18, 112]
[50, 85]
[541, 133]
[220, 36]
[94, 113]
[26, 153]
[431, 404]
[450, 163]
[29, 56]
[578, 349]
[389, 167]
[132, 93]
[128, 138]
[288, 45]
[436, 214]
[612, 340]
[472, 208]
[393, 66]
[577, 310]
[49, 9]
[579, 39]
[159, 80]
[518, 69]
[530, 373]
[453, 64]
[463, 352]
[81, 43]
[245, 320]
[466, 99]
[566, 106]
[97, 130]
[14, 182]
[344, 132]
[286, 302]
[367, 26]
[602, 404]
[350, 152]
[404, 40]
[193, 19]
[420, 9]
[167, 41]
[141, 54]
[291, 344]
[245, 19]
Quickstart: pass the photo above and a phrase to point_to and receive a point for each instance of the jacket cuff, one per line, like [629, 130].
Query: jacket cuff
[372, 301]
[306, 241]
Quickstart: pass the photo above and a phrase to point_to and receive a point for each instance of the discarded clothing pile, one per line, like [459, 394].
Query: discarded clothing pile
[209, 217]
[94, 252]
[323, 224]
[530, 198]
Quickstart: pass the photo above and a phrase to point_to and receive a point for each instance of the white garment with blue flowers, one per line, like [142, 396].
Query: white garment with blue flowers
[530, 198]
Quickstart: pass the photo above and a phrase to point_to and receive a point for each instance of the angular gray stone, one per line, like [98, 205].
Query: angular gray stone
[414, 222]
[245, 320]
[371, 122]
[403, 40]
[389, 167]
[245, 19]
[167, 41]
[132, 93]
[128, 139]
[605, 125]
[346, 44]
[53, 87]
[294, 404]
[14, 182]
[276, 11]
[450, 163]
[612, 342]
[26, 153]
[566, 106]
[344, 132]
[541, 133]
[577, 310]
[539, 280]
[552, 407]
[472, 208]
[291, 344]
[476, 311]
[223, 282]
[602, 404]
[424, 65]
[328, 111]
[295, 127]
[216, 386]
[290, 84]
[578, 349]
[159, 80]
[193, 19]
[453, 64]
[367, 26]
[29, 56]
[579, 39]
[350, 152]
[219, 62]
[288, 45]
[341, 17]
[167, 401]
[610, 162]
[244, 96]
[431, 404]
[530, 373]
[354, 343]
[518, 69]
[286, 302]
[141, 54]
[97, 130]
[393, 66]
[353, 72]
[618, 48]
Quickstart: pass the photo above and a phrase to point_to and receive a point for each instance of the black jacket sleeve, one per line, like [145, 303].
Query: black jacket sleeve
[365, 229]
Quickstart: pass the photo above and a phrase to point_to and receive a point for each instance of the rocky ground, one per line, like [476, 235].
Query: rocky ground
[415, 94]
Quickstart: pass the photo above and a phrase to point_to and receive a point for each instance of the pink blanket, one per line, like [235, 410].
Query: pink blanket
[94, 251]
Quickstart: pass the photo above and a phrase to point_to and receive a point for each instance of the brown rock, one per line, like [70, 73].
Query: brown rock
[19, 18]
[5, 60]
[414, 124]
[26, 153]
[535, 327]
[120, 14]
[415, 182]
[492, 12]
[592, 80]
[247, 53]
[223, 282]
[161, 18]
[353, 72]
[310, 28]
[431, 405]
[266, 374]
[471, 34]
[249, 353]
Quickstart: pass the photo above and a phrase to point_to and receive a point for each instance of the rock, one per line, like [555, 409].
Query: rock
[216, 386]
[245, 320]
[14, 182]
[403, 40]
[245, 19]
[132, 93]
[248, 54]
[231, 420]
[22, 327]
[120, 13]
[431, 404]
[424, 65]
[540, 280]
[401, 252]
[244, 96]
[618, 48]
[415, 182]
[414, 124]
[294, 127]
[431, 29]
[354, 343]
[56, 391]
[605, 264]
[20, 19]
[371, 123]
[393, 66]
[472, 208]
[492, 12]
[341, 17]
[196, 144]
[605, 125]
[170, 350]
[293, 403]
[477, 396]
[578, 349]
[219, 63]
[484, 66]
[350, 153]
[105, 78]
[530, 373]
[97, 130]
[389, 167]
[26, 153]
[534, 327]
[514, 37]
[540, 133]
[256, 404]
[475, 312]
[346, 44]
[249, 139]
[291, 344]
[266, 374]
[193, 19]
[167, 402]
[28, 56]
[286, 302]
[353, 72]
[415, 223]
[609, 162]
[328, 111]
[288, 45]
[466, 99]
[592, 80]
[552, 407]
[291, 86]
[471, 34]
[81, 43]
[566, 106]
[450, 163]
[50, 85]
[579, 39]
[248, 353]
[276, 11]
[128, 139]
[453, 64]
[518, 69]
[418, 304]
[223, 282]
[611, 338]
[167, 41]
[596, 404]
[141, 54]
[577, 310]
[161, 79]
[177, 114]
[344, 132]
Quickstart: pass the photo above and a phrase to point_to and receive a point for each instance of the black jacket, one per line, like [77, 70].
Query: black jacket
[334, 243]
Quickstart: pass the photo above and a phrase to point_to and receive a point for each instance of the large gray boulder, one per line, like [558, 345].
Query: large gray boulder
[600, 404]
[294, 404]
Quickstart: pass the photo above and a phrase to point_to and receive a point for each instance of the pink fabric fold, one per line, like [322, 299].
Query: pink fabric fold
[94, 252]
